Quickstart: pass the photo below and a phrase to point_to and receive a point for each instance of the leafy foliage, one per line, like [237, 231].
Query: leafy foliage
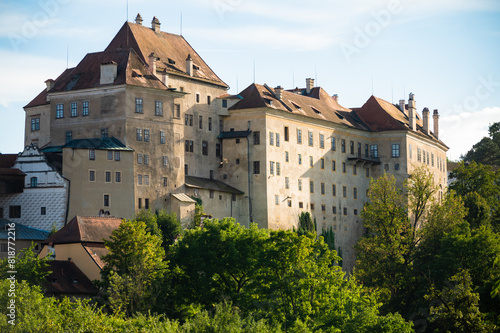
[486, 151]
[29, 267]
[306, 224]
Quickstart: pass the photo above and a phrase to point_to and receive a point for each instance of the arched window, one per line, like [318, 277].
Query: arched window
[34, 182]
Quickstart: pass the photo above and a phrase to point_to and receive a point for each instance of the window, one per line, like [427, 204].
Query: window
[138, 105]
[139, 179]
[165, 181]
[210, 123]
[204, 147]
[355, 193]
[354, 170]
[162, 137]
[104, 133]
[110, 154]
[423, 156]
[323, 188]
[33, 182]
[139, 158]
[278, 168]
[14, 212]
[60, 110]
[322, 163]
[108, 176]
[287, 183]
[35, 124]
[165, 161]
[419, 154]
[342, 142]
[334, 167]
[256, 167]
[200, 122]
[209, 100]
[146, 135]
[334, 147]
[91, 154]
[386, 167]
[276, 200]
[217, 150]
[69, 136]
[396, 166]
[43, 210]
[191, 120]
[287, 157]
[301, 204]
[311, 139]
[289, 203]
[197, 98]
[85, 108]
[139, 204]
[91, 175]
[146, 179]
[312, 206]
[74, 109]
[106, 200]
[271, 138]
[177, 110]
[428, 158]
[146, 203]
[286, 134]
[321, 141]
[271, 167]
[334, 190]
[432, 159]
[343, 167]
[323, 208]
[311, 161]
[118, 177]
[355, 212]
[256, 138]
[334, 210]
[237, 161]
[374, 151]
[138, 134]
[277, 139]
[344, 191]
[299, 136]
[409, 151]
[117, 155]
[359, 149]
[188, 146]
[352, 147]
[345, 211]
[395, 150]
[367, 172]
[146, 159]
[224, 103]
[158, 108]
[186, 119]
[311, 186]
[366, 150]
[300, 159]
[186, 169]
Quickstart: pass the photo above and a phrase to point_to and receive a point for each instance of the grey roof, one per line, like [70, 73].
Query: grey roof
[234, 134]
[93, 143]
[210, 184]
[22, 231]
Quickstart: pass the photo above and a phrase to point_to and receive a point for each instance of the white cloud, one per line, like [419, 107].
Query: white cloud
[461, 131]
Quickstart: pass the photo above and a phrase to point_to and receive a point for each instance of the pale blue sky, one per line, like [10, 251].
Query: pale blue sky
[444, 51]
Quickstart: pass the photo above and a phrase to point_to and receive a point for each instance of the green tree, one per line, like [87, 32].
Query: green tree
[306, 224]
[28, 266]
[134, 268]
[163, 224]
[486, 151]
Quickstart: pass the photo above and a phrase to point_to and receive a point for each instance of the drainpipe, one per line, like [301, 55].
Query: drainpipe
[250, 215]
[67, 201]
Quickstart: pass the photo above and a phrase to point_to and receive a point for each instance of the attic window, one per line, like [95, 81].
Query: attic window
[196, 67]
[339, 115]
[136, 74]
[268, 101]
[315, 110]
[296, 105]
[170, 61]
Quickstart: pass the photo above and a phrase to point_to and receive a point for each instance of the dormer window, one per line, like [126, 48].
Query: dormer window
[296, 105]
[33, 182]
[315, 110]
[170, 61]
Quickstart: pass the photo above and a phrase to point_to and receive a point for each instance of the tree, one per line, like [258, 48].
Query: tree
[306, 224]
[134, 268]
[28, 266]
[162, 223]
[486, 151]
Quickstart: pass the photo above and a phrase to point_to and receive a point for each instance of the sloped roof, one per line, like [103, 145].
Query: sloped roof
[317, 104]
[96, 253]
[172, 51]
[183, 197]
[7, 160]
[22, 232]
[111, 143]
[233, 134]
[82, 229]
[67, 278]
[210, 184]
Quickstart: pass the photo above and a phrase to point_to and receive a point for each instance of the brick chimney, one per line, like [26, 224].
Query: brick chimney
[425, 115]
[152, 63]
[278, 91]
[155, 24]
[108, 72]
[402, 105]
[309, 85]
[138, 19]
[336, 98]
[189, 65]
[50, 84]
[435, 117]
[412, 112]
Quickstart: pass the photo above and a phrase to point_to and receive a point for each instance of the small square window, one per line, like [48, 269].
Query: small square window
[301, 204]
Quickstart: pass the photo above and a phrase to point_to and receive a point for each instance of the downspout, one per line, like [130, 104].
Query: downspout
[67, 201]
[250, 215]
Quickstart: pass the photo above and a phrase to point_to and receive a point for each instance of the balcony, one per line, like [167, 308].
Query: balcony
[361, 158]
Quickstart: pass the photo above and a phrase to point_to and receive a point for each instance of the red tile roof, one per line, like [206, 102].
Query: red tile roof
[85, 229]
[7, 160]
[67, 278]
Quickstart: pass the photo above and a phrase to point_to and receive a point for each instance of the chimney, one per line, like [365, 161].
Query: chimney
[50, 84]
[336, 98]
[189, 65]
[425, 115]
[138, 19]
[108, 72]
[412, 112]
[278, 92]
[152, 63]
[402, 106]
[435, 117]
[155, 24]
[309, 85]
